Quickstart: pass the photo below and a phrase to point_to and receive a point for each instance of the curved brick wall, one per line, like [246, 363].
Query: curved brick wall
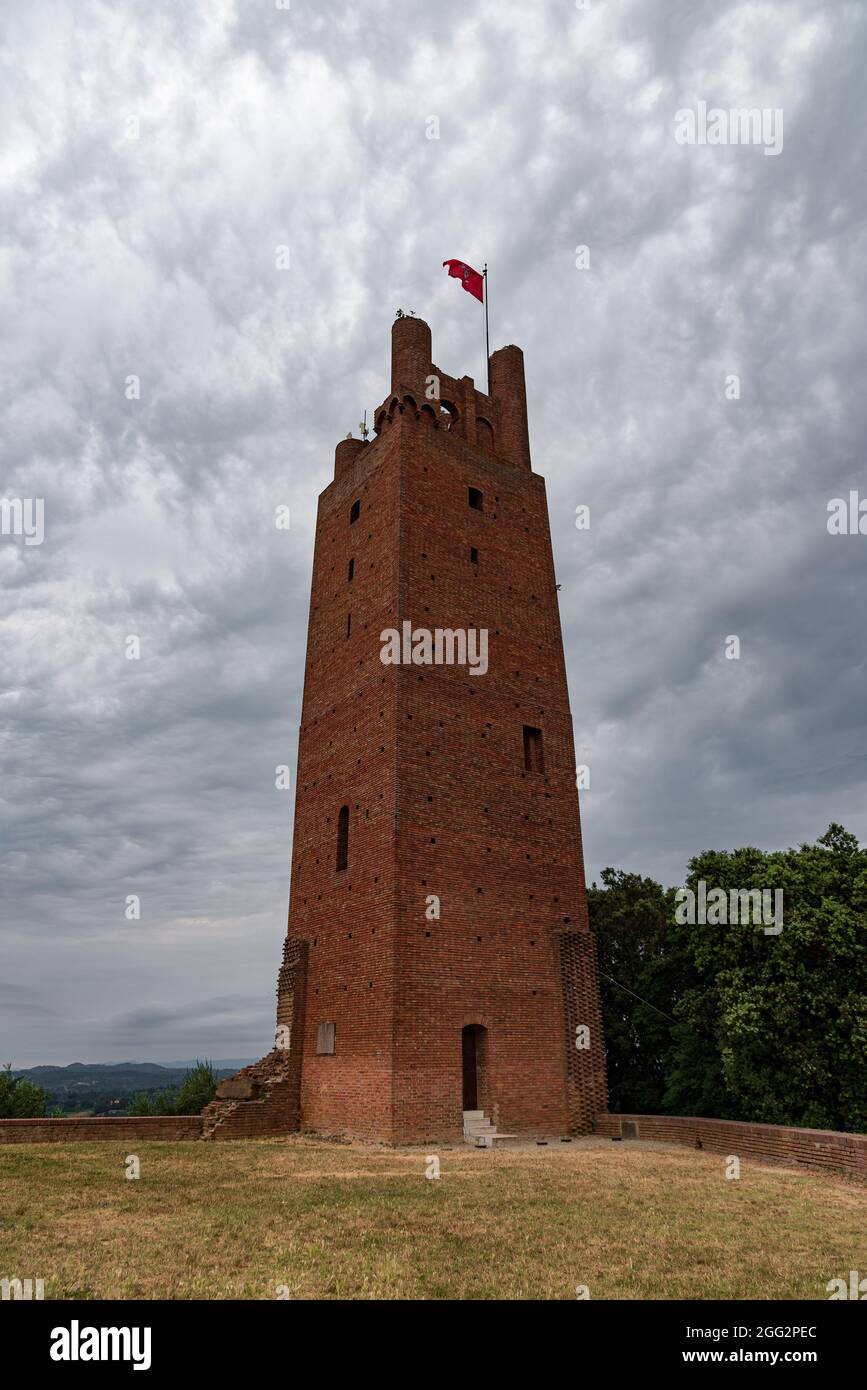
[806, 1148]
[120, 1127]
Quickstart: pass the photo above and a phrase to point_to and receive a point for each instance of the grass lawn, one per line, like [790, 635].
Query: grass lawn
[325, 1220]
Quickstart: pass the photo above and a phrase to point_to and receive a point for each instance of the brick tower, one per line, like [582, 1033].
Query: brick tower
[438, 957]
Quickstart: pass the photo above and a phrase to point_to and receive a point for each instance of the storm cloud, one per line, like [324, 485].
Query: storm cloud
[165, 385]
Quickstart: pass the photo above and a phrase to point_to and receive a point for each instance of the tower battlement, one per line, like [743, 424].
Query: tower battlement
[421, 392]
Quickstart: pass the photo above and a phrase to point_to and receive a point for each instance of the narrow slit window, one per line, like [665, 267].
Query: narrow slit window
[474, 555]
[343, 839]
[533, 757]
[474, 498]
[354, 512]
[351, 570]
[348, 623]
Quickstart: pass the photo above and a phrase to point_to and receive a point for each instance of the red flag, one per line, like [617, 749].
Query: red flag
[470, 279]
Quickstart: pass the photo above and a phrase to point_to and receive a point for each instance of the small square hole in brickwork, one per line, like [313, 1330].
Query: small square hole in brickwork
[325, 1040]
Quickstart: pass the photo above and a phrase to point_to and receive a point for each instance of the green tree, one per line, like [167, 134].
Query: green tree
[787, 1013]
[20, 1099]
[630, 916]
[198, 1089]
[141, 1104]
[730, 1021]
[165, 1102]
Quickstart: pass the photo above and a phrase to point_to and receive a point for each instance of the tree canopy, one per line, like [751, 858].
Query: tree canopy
[733, 1021]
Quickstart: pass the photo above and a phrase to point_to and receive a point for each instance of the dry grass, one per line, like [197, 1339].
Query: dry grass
[237, 1220]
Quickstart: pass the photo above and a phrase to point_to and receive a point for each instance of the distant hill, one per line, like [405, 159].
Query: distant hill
[99, 1088]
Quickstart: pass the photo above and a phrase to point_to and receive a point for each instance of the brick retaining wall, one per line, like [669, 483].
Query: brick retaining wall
[124, 1128]
[809, 1148]
[806, 1148]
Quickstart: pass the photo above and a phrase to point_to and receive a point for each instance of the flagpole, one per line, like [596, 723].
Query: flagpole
[487, 335]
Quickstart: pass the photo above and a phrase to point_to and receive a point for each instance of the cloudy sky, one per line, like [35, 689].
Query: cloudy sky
[152, 159]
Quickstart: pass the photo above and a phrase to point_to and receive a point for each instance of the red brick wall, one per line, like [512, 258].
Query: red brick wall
[811, 1148]
[271, 1102]
[501, 847]
[123, 1128]
[430, 762]
[586, 1089]
[275, 1112]
[346, 756]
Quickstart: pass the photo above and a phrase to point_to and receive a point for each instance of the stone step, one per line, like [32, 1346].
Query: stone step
[479, 1131]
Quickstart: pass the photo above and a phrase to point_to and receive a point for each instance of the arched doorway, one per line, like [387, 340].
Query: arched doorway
[473, 1056]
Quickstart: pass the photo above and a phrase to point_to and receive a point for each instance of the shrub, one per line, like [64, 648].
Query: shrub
[19, 1098]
